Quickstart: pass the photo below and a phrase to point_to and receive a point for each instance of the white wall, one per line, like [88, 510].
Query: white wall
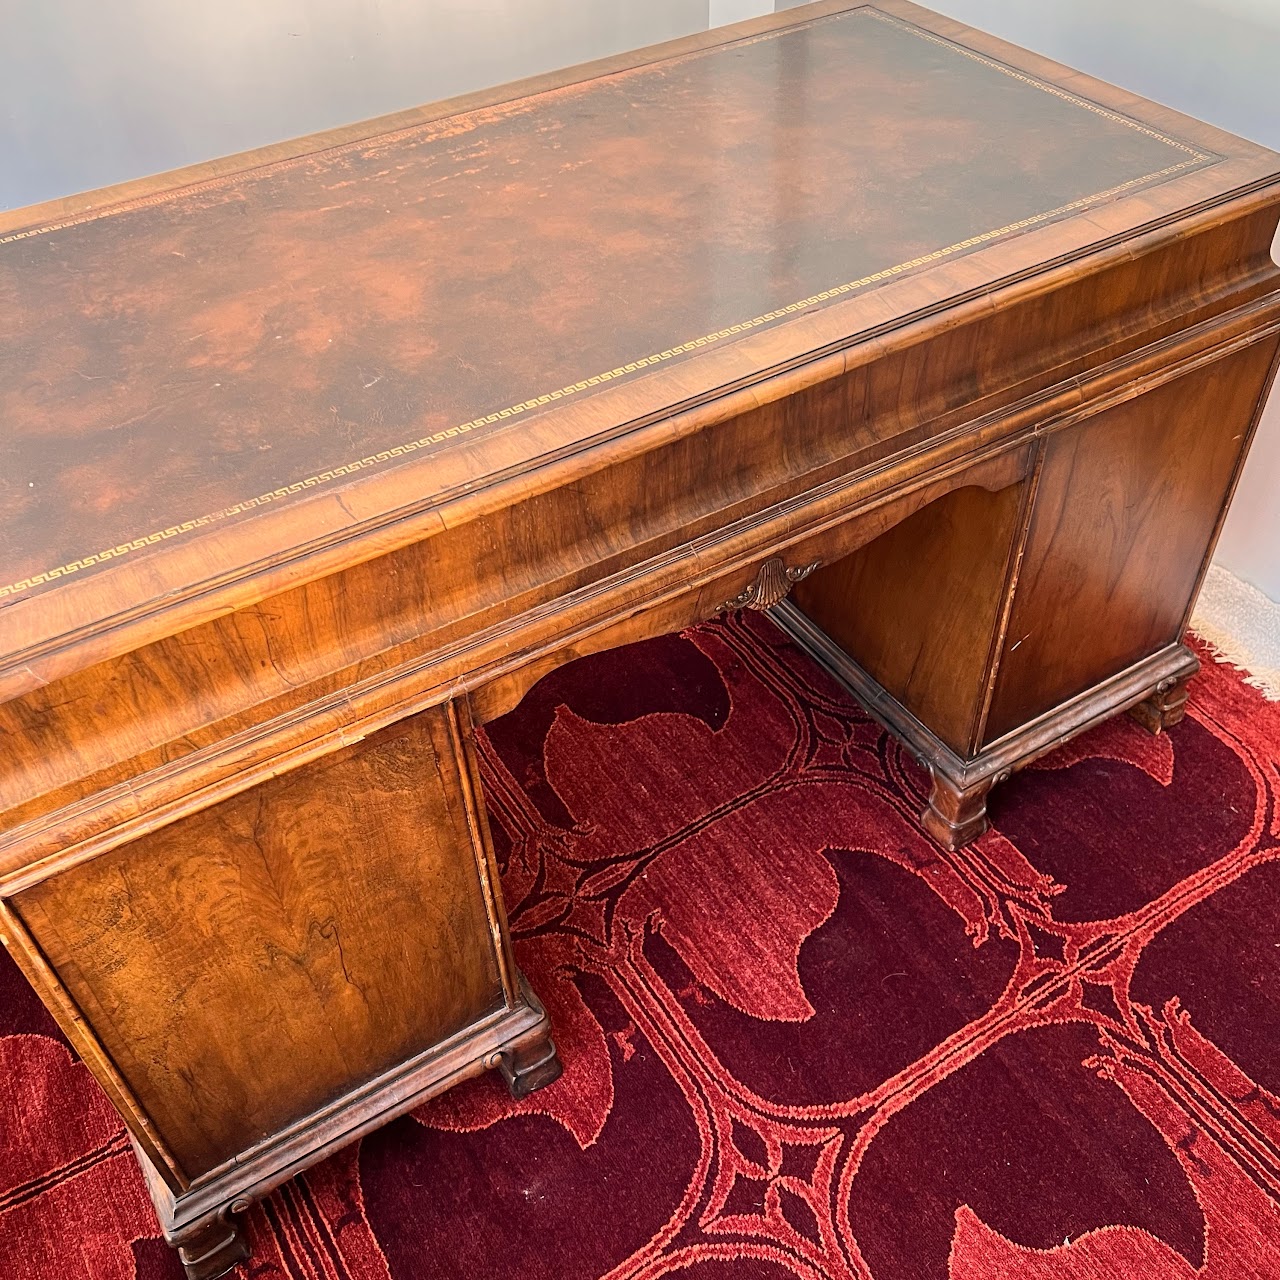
[99, 91]
[722, 12]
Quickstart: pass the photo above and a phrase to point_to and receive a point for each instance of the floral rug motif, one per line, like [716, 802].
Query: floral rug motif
[801, 1041]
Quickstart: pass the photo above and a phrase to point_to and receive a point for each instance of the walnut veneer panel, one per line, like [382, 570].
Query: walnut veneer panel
[1128, 502]
[248, 964]
[917, 608]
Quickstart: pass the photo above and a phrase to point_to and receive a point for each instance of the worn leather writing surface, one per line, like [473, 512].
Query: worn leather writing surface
[195, 355]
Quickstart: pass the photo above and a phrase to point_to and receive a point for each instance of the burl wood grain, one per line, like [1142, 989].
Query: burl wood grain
[918, 607]
[1126, 510]
[249, 964]
[347, 309]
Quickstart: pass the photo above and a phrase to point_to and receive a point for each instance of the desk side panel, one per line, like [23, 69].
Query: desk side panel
[1127, 509]
[918, 609]
[247, 965]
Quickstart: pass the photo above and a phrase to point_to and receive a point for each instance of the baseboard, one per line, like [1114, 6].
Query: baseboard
[1241, 626]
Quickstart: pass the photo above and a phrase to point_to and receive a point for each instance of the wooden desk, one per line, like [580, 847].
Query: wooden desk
[316, 457]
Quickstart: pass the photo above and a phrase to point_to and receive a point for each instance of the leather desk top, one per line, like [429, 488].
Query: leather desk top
[203, 373]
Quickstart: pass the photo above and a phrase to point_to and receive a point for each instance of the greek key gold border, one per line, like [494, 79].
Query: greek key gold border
[1194, 159]
[1014, 74]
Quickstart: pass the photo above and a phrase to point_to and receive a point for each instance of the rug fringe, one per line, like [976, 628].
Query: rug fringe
[1240, 626]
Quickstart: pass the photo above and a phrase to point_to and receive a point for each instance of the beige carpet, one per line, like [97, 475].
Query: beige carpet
[1242, 628]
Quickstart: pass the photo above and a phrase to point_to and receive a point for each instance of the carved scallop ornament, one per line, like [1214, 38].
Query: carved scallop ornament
[773, 581]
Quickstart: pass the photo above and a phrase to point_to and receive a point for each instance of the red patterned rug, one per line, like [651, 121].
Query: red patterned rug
[799, 1039]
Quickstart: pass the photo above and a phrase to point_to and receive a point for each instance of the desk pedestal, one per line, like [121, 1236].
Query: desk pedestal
[989, 627]
[264, 980]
